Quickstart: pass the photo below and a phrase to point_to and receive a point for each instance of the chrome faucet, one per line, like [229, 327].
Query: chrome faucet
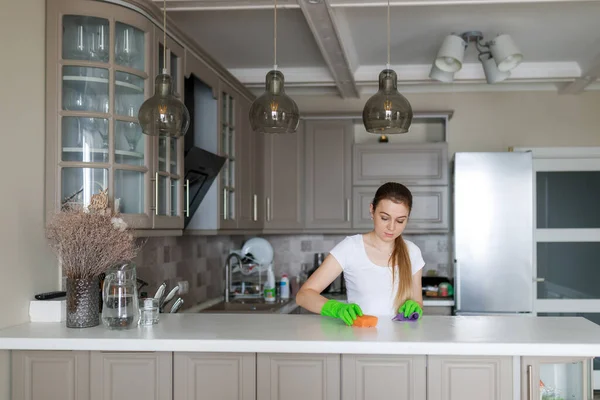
[228, 273]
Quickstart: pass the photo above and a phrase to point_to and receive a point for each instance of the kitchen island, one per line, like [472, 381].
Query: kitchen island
[258, 356]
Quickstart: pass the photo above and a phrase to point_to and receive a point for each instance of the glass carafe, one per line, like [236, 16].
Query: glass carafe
[120, 298]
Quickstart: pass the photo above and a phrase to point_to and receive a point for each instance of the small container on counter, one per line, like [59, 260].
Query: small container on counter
[149, 311]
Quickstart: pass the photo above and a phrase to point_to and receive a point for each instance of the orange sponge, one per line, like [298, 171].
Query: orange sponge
[365, 321]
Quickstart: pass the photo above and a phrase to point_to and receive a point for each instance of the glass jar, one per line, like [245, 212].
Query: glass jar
[120, 298]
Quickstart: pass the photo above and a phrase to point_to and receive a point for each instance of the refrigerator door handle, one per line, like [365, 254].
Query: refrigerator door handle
[457, 293]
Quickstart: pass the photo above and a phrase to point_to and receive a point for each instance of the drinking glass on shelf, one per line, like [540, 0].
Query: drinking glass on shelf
[102, 104]
[75, 100]
[126, 51]
[132, 133]
[98, 39]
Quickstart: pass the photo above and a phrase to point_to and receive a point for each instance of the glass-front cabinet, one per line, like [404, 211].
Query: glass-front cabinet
[170, 188]
[555, 378]
[103, 58]
[228, 148]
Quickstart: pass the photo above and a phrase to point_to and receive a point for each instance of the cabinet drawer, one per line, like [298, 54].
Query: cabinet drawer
[418, 164]
[429, 213]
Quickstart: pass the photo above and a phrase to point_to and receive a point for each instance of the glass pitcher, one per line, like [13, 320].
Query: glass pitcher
[120, 308]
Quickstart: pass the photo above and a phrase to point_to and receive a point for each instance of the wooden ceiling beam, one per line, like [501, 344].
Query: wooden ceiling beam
[326, 33]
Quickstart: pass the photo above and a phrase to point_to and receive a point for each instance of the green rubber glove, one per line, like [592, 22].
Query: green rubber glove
[409, 307]
[344, 311]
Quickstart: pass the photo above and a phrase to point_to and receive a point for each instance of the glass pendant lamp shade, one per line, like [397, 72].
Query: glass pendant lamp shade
[274, 111]
[387, 111]
[164, 114]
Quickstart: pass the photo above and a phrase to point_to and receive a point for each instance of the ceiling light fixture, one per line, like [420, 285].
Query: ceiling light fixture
[387, 111]
[274, 111]
[164, 114]
[497, 56]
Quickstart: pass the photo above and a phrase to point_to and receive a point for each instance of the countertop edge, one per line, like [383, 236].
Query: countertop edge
[305, 347]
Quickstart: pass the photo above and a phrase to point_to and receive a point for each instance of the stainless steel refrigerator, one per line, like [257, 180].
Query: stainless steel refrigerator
[493, 233]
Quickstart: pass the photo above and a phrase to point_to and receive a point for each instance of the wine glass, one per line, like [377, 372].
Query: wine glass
[132, 133]
[98, 39]
[126, 47]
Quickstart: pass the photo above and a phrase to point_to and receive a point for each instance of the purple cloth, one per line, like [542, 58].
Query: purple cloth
[412, 317]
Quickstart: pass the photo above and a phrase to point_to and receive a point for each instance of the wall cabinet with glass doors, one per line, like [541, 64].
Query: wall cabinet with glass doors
[101, 62]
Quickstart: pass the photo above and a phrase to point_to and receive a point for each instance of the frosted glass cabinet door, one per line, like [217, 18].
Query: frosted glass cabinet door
[555, 378]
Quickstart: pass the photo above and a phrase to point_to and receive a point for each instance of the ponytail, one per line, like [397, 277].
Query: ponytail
[401, 272]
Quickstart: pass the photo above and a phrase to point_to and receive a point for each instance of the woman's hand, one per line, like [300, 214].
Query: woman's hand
[344, 311]
[409, 307]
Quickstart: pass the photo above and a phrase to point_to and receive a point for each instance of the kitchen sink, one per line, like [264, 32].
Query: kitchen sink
[252, 305]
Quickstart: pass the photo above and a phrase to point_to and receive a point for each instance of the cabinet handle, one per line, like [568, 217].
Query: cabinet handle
[156, 194]
[539, 279]
[268, 209]
[225, 203]
[457, 292]
[187, 198]
[529, 382]
[348, 210]
[255, 207]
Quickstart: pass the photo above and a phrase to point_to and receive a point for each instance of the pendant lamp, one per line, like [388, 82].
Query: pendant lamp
[387, 111]
[164, 114]
[274, 111]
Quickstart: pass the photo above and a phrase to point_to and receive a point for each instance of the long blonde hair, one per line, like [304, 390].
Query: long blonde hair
[400, 258]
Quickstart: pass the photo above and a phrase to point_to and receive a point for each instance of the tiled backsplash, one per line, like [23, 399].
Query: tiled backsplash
[200, 259]
[294, 250]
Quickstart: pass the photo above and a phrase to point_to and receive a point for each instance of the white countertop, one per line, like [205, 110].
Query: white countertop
[441, 335]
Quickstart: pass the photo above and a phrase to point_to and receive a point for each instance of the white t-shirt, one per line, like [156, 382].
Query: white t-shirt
[367, 284]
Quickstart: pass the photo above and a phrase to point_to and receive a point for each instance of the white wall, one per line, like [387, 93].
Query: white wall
[494, 121]
[26, 265]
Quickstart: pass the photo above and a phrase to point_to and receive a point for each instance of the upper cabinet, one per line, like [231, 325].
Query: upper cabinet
[99, 72]
[328, 174]
[409, 164]
[101, 62]
[283, 181]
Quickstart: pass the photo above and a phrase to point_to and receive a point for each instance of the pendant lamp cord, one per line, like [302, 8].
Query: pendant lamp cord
[274, 37]
[388, 34]
[164, 70]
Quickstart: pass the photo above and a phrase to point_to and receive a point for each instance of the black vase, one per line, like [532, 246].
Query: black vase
[83, 297]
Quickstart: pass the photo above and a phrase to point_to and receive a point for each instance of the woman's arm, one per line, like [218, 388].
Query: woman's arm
[309, 295]
[418, 288]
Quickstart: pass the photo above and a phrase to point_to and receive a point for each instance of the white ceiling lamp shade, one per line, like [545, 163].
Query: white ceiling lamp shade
[497, 56]
[450, 55]
[440, 75]
[492, 73]
[505, 52]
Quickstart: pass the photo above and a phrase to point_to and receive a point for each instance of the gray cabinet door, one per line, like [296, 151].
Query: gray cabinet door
[50, 375]
[207, 376]
[430, 212]
[409, 164]
[125, 376]
[374, 377]
[328, 168]
[251, 172]
[469, 378]
[298, 376]
[284, 183]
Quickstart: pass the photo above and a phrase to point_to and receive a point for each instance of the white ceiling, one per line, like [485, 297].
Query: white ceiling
[339, 46]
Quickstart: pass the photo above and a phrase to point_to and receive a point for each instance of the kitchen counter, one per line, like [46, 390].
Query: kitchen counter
[432, 335]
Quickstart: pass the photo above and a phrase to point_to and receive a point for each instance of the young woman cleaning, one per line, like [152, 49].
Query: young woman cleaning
[382, 271]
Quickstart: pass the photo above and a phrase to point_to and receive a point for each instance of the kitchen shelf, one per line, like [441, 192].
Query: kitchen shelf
[125, 153]
[86, 79]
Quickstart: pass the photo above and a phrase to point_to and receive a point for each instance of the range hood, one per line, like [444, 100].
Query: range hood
[201, 168]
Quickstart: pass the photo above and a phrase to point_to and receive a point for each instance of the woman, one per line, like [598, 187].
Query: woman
[382, 270]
